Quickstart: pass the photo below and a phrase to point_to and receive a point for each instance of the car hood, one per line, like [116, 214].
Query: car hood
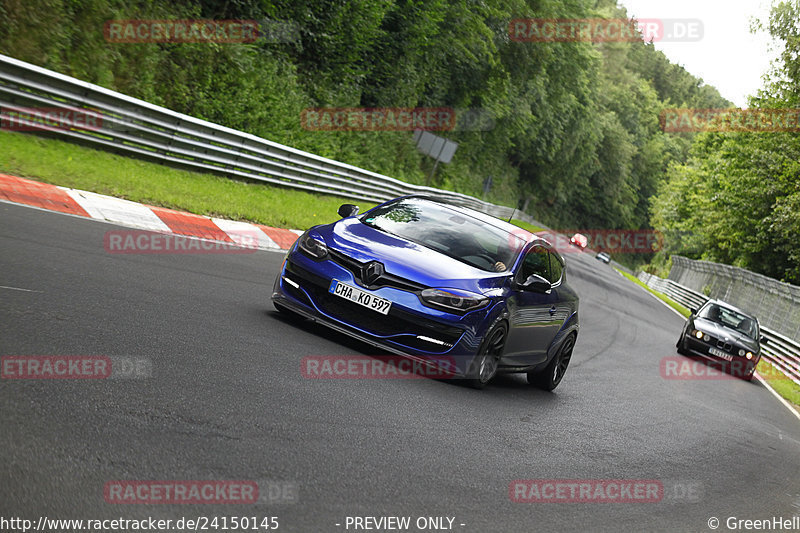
[405, 258]
[723, 332]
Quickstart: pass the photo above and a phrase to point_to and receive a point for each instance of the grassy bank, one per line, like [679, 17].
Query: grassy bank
[669, 301]
[69, 165]
[78, 167]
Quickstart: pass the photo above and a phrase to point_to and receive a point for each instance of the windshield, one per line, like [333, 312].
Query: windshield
[731, 319]
[448, 231]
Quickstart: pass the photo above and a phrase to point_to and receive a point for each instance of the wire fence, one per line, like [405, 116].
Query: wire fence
[776, 304]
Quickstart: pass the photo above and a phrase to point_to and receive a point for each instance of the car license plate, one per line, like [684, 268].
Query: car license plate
[720, 353]
[356, 295]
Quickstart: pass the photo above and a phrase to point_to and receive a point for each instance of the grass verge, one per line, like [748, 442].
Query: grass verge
[669, 301]
[70, 165]
[526, 226]
[784, 386]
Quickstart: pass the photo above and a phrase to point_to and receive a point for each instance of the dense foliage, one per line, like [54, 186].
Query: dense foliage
[736, 199]
[575, 128]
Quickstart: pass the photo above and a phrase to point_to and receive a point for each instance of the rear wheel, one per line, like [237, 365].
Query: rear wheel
[549, 378]
[484, 365]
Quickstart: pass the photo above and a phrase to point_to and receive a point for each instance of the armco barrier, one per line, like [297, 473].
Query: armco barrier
[776, 303]
[137, 128]
[782, 352]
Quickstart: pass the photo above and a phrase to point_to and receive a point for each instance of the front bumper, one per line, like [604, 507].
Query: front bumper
[410, 329]
[737, 365]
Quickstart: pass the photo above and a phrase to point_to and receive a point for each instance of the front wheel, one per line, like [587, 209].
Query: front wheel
[549, 378]
[681, 346]
[484, 366]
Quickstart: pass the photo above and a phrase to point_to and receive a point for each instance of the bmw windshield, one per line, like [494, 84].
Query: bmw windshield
[448, 231]
[730, 319]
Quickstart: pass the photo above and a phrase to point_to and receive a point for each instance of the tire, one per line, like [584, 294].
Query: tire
[484, 366]
[549, 377]
[748, 376]
[680, 345]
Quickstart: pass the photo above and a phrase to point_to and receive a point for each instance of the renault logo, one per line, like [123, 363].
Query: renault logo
[371, 272]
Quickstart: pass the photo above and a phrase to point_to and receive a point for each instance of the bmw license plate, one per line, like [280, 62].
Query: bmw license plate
[356, 295]
[720, 353]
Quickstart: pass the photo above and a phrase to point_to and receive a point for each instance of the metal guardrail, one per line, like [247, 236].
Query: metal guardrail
[776, 303]
[780, 351]
[137, 128]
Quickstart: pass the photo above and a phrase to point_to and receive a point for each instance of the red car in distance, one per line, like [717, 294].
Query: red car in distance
[580, 240]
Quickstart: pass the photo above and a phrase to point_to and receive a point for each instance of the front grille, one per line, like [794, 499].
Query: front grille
[385, 280]
[724, 345]
[395, 323]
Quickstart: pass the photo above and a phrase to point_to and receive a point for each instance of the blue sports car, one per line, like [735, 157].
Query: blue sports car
[445, 285]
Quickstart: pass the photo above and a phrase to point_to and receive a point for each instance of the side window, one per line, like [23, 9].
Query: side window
[537, 261]
[556, 269]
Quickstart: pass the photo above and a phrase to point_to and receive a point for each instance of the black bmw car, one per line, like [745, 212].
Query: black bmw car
[722, 332]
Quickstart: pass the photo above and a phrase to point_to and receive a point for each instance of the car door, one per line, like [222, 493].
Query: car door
[533, 320]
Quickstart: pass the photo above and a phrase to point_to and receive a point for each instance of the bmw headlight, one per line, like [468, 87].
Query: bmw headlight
[453, 300]
[698, 334]
[313, 247]
[741, 352]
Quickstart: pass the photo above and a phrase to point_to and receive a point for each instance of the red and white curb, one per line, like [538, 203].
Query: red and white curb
[126, 213]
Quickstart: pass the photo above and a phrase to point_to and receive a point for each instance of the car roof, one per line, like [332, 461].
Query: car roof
[730, 306]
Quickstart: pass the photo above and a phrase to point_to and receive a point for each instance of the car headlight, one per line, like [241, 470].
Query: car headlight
[698, 334]
[749, 355]
[313, 247]
[451, 300]
[741, 352]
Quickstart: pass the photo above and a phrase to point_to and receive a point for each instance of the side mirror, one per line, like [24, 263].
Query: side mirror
[763, 340]
[536, 283]
[693, 311]
[347, 210]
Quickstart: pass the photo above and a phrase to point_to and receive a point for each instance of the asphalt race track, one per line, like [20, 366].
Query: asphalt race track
[226, 401]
